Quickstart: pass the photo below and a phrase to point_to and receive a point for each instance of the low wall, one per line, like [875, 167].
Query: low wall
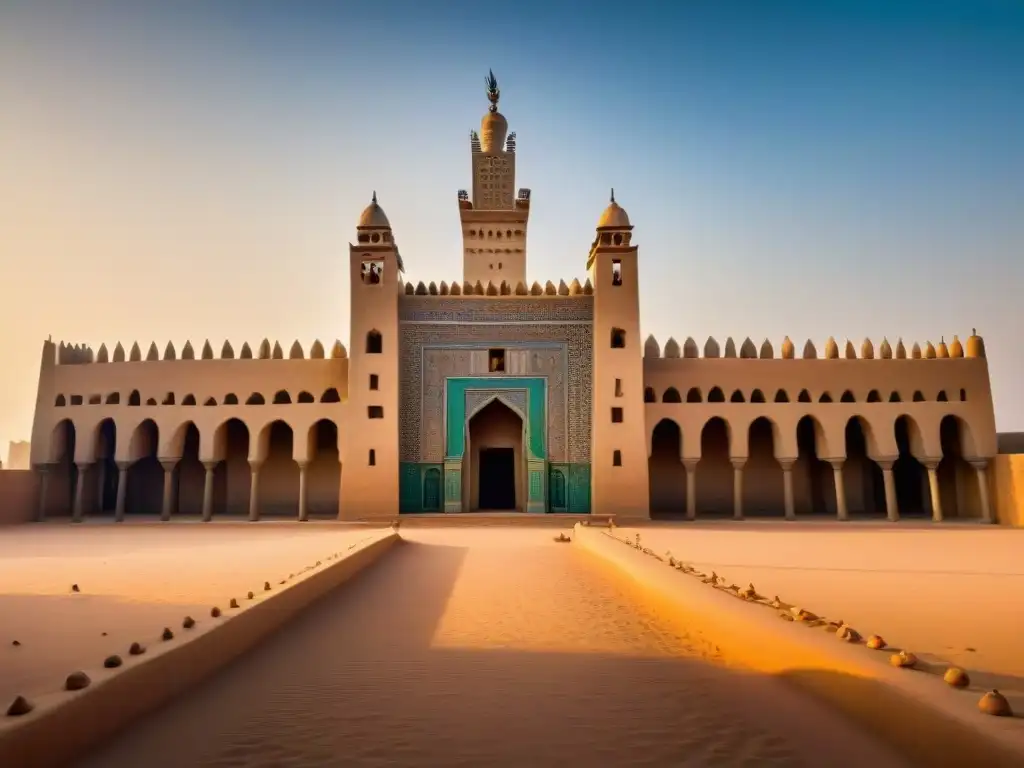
[17, 496]
[1007, 488]
[931, 723]
[64, 726]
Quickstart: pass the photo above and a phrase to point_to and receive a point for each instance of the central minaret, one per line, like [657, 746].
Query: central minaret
[494, 221]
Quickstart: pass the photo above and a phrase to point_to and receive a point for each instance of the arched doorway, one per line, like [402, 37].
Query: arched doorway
[496, 464]
[665, 470]
[763, 485]
[909, 475]
[189, 474]
[63, 474]
[432, 501]
[232, 479]
[106, 467]
[323, 475]
[958, 482]
[814, 487]
[714, 475]
[145, 475]
[862, 477]
[279, 475]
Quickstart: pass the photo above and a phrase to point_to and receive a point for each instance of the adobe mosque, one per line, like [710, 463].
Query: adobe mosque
[489, 393]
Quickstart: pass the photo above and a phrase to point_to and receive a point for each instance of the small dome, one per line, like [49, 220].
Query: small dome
[885, 351]
[956, 349]
[730, 348]
[975, 345]
[849, 352]
[651, 348]
[373, 216]
[929, 351]
[942, 350]
[901, 351]
[788, 350]
[915, 351]
[711, 348]
[831, 349]
[493, 129]
[671, 348]
[767, 352]
[867, 350]
[690, 349]
[614, 216]
[810, 352]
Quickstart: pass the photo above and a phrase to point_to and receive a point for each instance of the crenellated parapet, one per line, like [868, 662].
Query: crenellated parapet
[975, 348]
[574, 288]
[78, 354]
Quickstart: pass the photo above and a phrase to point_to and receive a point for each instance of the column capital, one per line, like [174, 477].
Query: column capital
[738, 462]
[690, 464]
[255, 464]
[931, 463]
[122, 466]
[885, 462]
[302, 464]
[211, 465]
[979, 464]
[169, 463]
[837, 464]
[786, 464]
[82, 465]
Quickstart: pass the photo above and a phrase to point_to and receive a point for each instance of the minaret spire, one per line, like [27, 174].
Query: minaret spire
[613, 195]
[374, 199]
[493, 94]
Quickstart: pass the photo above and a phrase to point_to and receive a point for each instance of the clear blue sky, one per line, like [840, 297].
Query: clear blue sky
[812, 169]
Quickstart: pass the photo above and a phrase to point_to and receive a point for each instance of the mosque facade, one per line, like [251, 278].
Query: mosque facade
[493, 394]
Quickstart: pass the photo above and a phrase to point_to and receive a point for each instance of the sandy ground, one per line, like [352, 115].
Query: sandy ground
[134, 581]
[951, 594]
[489, 647]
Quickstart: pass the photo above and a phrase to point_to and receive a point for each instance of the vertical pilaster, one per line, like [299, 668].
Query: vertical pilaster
[168, 498]
[210, 467]
[303, 512]
[981, 468]
[787, 487]
[932, 466]
[122, 490]
[737, 488]
[79, 507]
[254, 491]
[842, 513]
[892, 507]
[691, 488]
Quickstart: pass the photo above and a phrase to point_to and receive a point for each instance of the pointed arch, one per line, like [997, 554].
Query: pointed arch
[210, 401]
[894, 397]
[862, 477]
[255, 399]
[649, 396]
[804, 396]
[330, 395]
[737, 397]
[757, 396]
[918, 396]
[825, 398]
[671, 395]
[714, 470]
[230, 399]
[281, 397]
[781, 396]
[941, 397]
[909, 475]
[134, 398]
[305, 397]
[694, 395]
[847, 397]
[716, 395]
[114, 398]
[667, 476]
[374, 342]
[874, 396]
[60, 402]
[814, 490]
[104, 450]
[188, 399]
[763, 493]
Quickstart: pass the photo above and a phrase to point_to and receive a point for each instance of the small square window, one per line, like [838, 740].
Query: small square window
[375, 411]
[373, 458]
[496, 360]
[616, 458]
[618, 338]
[374, 381]
[616, 415]
[616, 272]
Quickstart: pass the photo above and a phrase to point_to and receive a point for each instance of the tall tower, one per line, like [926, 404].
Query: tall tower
[494, 220]
[369, 470]
[618, 447]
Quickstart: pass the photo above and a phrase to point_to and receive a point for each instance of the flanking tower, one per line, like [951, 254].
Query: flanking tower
[618, 448]
[494, 219]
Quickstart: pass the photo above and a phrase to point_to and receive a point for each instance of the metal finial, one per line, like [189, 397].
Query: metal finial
[613, 194]
[374, 200]
[493, 94]
[974, 331]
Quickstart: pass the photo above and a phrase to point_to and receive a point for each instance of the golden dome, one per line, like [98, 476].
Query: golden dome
[788, 351]
[493, 129]
[942, 350]
[373, 216]
[975, 345]
[614, 216]
[956, 349]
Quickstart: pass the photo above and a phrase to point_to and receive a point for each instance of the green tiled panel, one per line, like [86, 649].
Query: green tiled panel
[409, 488]
[579, 489]
[456, 410]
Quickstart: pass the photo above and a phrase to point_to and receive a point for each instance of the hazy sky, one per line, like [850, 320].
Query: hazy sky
[194, 170]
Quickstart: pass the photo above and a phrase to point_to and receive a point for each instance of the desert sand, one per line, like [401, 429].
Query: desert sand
[952, 594]
[489, 646]
[135, 579]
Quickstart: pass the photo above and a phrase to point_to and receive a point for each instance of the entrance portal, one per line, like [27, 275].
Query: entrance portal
[497, 478]
[493, 464]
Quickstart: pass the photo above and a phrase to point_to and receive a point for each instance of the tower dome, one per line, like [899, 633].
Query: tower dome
[614, 216]
[373, 216]
[493, 126]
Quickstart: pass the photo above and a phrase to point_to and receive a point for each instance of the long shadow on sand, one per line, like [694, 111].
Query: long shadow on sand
[358, 680]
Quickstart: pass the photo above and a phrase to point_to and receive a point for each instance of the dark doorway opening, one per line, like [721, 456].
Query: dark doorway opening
[497, 478]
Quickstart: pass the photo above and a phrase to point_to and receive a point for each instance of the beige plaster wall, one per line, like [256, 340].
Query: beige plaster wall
[1007, 480]
[17, 496]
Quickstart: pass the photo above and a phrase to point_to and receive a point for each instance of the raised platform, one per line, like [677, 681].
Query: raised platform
[498, 518]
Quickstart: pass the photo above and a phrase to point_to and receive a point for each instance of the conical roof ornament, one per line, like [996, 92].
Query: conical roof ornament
[613, 195]
[374, 198]
[493, 94]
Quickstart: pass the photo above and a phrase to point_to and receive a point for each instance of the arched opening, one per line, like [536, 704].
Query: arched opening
[825, 398]
[804, 396]
[781, 396]
[894, 397]
[135, 398]
[114, 398]
[693, 395]
[282, 397]
[188, 400]
[763, 486]
[909, 475]
[736, 397]
[106, 467]
[168, 399]
[323, 474]
[918, 396]
[145, 475]
[210, 401]
[255, 399]
[666, 473]
[958, 482]
[874, 397]
[330, 396]
[618, 338]
[305, 397]
[230, 399]
[716, 395]
[494, 454]
[62, 477]
[963, 395]
[814, 487]
[60, 402]
[671, 396]
[151, 401]
[862, 477]
[714, 470]
[649, 396]
[847, 397]
[941, 397]
[374, 343]
[757, 396]
[279, 475]
[232, 478]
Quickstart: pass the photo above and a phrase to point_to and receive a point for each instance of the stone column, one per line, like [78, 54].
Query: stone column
[44, 486]
[691, 488]
[842, 513]
[168, 499]
[254, 491]
[79, 508]
[787, 487]
[122, 489]
[101, 482]
[737, 488]
[303, 512]
[209, 466]
[892, 507]
[981, 468]
[933, 485]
